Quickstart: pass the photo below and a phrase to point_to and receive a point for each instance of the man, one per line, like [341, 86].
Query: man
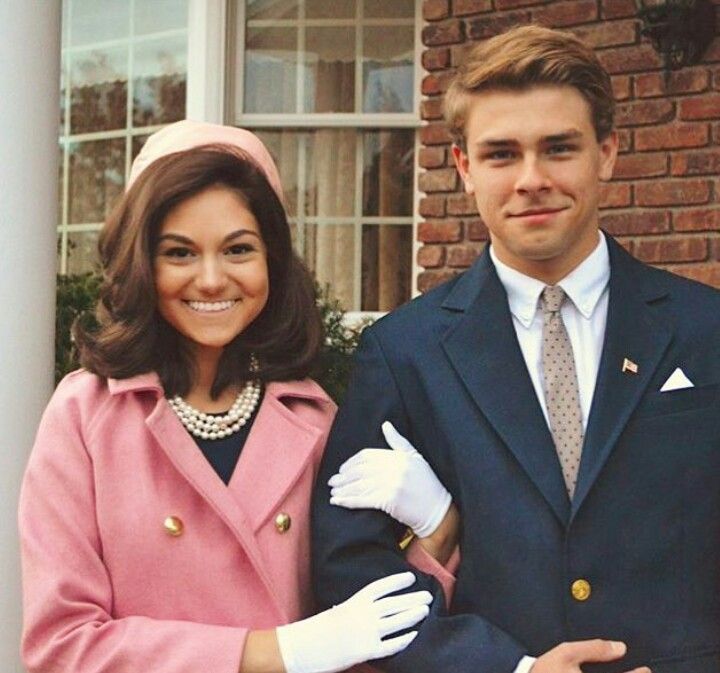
[566, 395]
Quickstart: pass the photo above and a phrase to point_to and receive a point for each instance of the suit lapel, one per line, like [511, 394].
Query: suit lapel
[277, 452]
[484, 351]
[631, 332]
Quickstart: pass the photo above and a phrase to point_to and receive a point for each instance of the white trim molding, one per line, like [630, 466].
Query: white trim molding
[30, 69]
[207, 57]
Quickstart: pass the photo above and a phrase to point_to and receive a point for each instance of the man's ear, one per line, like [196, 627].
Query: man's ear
[608, 155]
[462, 163]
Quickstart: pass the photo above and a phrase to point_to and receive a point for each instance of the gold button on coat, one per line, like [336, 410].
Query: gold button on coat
[282, 522]
[581, 590]
[173, 525]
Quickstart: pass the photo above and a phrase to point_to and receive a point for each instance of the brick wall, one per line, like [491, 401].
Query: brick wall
[664, 201]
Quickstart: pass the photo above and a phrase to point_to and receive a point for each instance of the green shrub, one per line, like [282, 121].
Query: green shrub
[340, 343]
[75, 298]
[77, 294]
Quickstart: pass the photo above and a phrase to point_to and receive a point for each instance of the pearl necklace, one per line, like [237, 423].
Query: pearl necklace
[209, 426]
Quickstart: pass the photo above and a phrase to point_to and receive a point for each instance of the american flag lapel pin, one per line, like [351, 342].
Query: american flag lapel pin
[628, 366]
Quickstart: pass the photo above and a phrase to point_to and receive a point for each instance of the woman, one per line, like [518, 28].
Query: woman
[144, 546]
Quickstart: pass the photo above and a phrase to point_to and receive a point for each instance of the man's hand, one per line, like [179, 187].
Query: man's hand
[568, 657]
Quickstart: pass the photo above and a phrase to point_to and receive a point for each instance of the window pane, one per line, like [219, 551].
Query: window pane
[388, 172]
[137, 144]
[386, 266]
[330, 254]
[98, 20]
[388, 55]
[271, 9]
[330, 70]
[82, 253]
[271, 70]
[158, 15]
[159, 82]
[98, 97]
[283, 145]
[329, 9]
[97, 170]
[331, 173]
[319, 166]
[389, 9]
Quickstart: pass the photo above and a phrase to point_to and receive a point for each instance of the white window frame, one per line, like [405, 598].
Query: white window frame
[215, 91]
[128, 133]
[208, 38]
[357, 119]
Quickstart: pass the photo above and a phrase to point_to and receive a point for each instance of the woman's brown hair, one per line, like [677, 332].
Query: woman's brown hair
[132, 337]
[524, 57]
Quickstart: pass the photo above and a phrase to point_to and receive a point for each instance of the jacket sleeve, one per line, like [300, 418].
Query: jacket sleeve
[353, 547]
[68, 601]
[421, 560]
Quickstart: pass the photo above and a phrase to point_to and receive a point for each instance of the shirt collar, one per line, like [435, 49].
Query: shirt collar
[584, 285]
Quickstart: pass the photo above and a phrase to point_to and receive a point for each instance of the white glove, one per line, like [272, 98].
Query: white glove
[352, 632]
[398, 482]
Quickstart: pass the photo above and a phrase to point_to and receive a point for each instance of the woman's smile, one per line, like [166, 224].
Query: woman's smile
[210, 306]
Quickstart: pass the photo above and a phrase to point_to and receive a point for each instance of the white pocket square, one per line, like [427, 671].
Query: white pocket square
[677, 381]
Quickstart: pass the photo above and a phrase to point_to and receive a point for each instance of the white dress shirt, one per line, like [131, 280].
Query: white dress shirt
[584, 315]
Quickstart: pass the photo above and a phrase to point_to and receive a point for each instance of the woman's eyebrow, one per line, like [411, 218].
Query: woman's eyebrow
[178, 238]
[240, 232]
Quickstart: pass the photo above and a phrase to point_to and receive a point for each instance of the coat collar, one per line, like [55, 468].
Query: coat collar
[276, 453]
[306, 389]
[482, 347]
[140, 383]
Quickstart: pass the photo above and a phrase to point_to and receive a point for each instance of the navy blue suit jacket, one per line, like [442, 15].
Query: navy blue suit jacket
[643, 527]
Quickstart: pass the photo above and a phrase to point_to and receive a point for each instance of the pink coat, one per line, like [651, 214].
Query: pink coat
[107, 589]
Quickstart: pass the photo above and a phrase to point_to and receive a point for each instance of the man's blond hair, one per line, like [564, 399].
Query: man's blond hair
[525, 57]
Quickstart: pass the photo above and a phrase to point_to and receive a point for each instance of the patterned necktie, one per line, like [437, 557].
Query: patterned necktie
[560, 386]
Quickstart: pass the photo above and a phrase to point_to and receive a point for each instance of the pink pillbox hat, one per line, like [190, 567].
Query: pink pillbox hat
[186, 134]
